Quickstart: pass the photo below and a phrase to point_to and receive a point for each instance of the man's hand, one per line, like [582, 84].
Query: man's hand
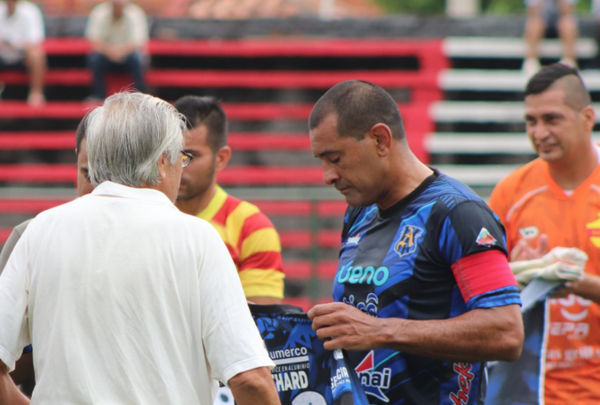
[588, 287]
[342, 326]
[522, 250]
[114, 53]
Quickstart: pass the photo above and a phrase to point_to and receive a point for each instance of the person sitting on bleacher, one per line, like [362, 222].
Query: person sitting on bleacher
[542, 14]
[21, 38]
[118, 33]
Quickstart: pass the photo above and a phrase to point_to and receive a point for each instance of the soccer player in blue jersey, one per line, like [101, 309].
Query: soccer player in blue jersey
[424, 294]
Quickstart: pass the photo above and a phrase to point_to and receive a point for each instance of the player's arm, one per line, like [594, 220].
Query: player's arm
[9, 393]
[254, 387]
[588, 287]
[478, 335]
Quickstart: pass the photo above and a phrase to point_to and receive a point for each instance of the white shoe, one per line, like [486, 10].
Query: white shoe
[531, 66]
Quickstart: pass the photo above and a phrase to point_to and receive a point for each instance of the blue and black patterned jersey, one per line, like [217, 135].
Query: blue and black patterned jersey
[305, 373]
[397, 263]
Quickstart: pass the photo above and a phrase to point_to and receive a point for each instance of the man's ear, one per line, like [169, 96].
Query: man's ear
[589, 117]
[381, 134]
[222, 158]
[162, 166]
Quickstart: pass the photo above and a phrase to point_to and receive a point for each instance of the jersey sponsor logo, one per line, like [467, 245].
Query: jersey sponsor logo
[465, 379]
[593, 231]
[374, 381]
[369, 307]
[353, 240]
[485, 238]
[566, 309]
[529, 232]
[294, 352]
[292, 380]
[363, 275]
[409, 240]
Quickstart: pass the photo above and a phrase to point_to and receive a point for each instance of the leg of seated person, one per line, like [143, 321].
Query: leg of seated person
[35, 59]
[534, 30]
[134, 66]
[99, 64]
[567, 30]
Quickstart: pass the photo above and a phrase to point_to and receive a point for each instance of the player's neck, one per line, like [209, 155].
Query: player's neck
[409, 175]
[197, 204]
[570, 174]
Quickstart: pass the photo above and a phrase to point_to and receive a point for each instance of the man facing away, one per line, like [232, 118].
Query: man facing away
[555, 201]
[118, 303]
[21, 38]
[248, 234]
[423, 291]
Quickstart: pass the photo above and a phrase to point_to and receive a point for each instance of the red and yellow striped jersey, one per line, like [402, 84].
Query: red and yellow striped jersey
[252, 241]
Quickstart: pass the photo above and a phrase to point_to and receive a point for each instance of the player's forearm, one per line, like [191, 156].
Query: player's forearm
[478, 335]
[9, 393]
[588, 287]
[254, 387]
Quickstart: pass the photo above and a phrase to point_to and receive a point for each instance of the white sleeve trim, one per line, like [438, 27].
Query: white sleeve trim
[7, 359]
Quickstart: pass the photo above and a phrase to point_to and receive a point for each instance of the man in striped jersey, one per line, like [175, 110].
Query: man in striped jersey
[248, 234]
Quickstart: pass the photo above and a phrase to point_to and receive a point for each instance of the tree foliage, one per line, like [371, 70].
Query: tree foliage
[438, 6]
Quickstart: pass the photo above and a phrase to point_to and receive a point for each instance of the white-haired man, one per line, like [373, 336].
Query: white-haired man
[119, 306]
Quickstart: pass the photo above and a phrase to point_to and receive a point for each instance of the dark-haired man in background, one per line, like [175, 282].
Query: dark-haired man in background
[555, 201]
[423, 288]
[248, 234]
[24, 374]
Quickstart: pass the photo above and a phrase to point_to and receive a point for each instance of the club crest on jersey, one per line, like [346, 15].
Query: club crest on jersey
[373, 381]
[408, 240]
[593, 231]
[485, 238]
[529, 232]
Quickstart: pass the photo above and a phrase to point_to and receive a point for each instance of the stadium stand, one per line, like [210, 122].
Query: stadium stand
[460, 99]
[268, 87]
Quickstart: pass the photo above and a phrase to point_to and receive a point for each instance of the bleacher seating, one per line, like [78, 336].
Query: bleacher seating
[268, 87]
[461, 100]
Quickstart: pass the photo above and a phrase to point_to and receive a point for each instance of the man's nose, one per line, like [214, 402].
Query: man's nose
[539, 132]
[330, 175]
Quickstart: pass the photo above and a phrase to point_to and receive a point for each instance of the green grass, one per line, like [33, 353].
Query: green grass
[433, 7]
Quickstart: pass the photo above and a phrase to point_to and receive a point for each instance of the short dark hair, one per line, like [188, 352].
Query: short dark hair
[576, 95]
[205, 111]
[81, 132]
[359, 105]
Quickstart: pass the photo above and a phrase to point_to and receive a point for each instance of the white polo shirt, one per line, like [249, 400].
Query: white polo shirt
[24, 26]
[126, 300]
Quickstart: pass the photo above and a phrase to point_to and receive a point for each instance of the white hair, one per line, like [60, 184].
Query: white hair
[127, 136]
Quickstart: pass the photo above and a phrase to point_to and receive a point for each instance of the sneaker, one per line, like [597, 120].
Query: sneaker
[531, 66]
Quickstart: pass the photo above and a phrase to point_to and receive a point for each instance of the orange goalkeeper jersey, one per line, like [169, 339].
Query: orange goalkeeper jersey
[252, 242]
[530, 203]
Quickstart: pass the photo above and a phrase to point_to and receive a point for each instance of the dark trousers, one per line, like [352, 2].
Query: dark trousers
[101, 65]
